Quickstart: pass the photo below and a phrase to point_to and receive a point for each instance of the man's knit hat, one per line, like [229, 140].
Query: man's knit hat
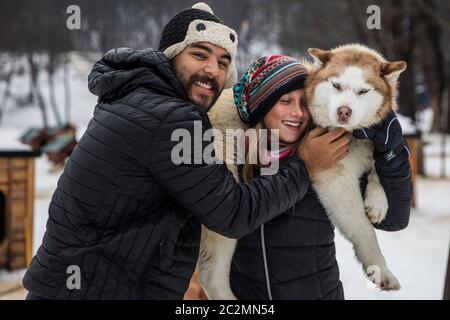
[267, 79]
[199, 24]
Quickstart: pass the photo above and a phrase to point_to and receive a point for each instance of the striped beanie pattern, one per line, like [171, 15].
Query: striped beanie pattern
[263, 84]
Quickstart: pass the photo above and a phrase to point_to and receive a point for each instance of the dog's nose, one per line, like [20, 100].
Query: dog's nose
[344, 114]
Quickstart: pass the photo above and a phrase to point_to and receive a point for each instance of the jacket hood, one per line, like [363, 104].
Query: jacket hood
[122, 70]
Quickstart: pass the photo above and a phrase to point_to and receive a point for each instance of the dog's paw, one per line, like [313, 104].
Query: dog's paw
[376, 214]
[376, 205]
[382, 278]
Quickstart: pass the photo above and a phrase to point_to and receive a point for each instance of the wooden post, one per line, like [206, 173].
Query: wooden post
[8, 214]
[413, 163]
[29, 219]
[17, 185]
[3, 214]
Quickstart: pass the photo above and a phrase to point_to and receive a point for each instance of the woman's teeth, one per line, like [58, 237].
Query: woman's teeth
[291, 123]
[203, 85]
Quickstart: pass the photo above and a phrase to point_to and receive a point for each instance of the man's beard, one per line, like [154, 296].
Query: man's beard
[205, 102]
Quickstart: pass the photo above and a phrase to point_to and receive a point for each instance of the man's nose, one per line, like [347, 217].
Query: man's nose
[212, 68]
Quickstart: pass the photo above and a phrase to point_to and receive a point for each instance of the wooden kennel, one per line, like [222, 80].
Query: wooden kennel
[16, 208]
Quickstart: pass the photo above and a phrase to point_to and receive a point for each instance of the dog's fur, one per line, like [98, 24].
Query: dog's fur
[353, 67]
[216, 251]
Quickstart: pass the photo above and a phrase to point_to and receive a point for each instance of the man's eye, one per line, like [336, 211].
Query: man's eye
[199, 55]
[285, 101]
[223, 64]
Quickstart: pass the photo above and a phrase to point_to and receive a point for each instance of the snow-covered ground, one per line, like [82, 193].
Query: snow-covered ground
[417, 255]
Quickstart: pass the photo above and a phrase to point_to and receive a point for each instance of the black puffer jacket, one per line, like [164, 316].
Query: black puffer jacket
[123, 212]
[293, 256]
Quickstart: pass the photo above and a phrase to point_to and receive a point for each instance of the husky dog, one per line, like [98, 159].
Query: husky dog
[352, 87]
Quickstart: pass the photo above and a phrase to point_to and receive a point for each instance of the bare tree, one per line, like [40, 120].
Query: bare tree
[51, 66]
[432, 59]
[36, 89]
[412, 30]
[7, 90]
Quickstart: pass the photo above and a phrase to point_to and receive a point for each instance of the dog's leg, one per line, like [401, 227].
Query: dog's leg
[216, 251]
[214, 265]
[340, 194]
[376, 202]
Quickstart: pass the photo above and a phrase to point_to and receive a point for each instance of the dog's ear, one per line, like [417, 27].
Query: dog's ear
[391, 70]
[321, 57]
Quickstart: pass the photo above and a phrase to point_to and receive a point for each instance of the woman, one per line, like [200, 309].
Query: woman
[293, 256]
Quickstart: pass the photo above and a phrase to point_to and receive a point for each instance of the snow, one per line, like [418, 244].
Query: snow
[407, 124]
[425, 120]
[417, 255]
[10, 140]
[434, 145]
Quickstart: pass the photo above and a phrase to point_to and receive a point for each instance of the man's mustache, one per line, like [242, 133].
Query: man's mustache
[205, 79]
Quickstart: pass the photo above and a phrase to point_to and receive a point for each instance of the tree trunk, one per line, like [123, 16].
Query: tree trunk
[407, 87]
[7, 91]
[403, 30]
[36, 91]
[433, 59]
[51, 88]
[67, 97]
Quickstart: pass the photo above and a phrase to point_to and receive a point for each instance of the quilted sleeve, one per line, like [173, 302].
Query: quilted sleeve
[395, 177]
[209, 191]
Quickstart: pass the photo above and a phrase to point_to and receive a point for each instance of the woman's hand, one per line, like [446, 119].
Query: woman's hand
[321, 149]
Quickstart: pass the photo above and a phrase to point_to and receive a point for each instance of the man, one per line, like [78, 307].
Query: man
[124, 221]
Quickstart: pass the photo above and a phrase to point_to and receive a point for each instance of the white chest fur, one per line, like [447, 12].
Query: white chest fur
[360, 158]
[340, 194]
[359, 161]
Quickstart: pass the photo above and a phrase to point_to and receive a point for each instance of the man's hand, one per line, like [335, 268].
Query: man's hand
[321, 149]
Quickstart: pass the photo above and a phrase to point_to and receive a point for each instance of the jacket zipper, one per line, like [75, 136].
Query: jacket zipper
[266, 268]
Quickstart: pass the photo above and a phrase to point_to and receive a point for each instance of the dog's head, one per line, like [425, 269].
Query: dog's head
[351, 86]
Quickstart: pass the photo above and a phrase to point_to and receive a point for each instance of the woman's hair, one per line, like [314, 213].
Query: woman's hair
[252, 148]
[247, 173]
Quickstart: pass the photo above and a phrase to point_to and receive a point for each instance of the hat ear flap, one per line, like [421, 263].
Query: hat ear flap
[321, 57]
[231, 76]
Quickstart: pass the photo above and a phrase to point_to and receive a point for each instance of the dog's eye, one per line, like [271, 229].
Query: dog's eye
[363, 91]
[337, 86]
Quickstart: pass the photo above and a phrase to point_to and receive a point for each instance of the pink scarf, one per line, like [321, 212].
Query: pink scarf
[282, 153]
